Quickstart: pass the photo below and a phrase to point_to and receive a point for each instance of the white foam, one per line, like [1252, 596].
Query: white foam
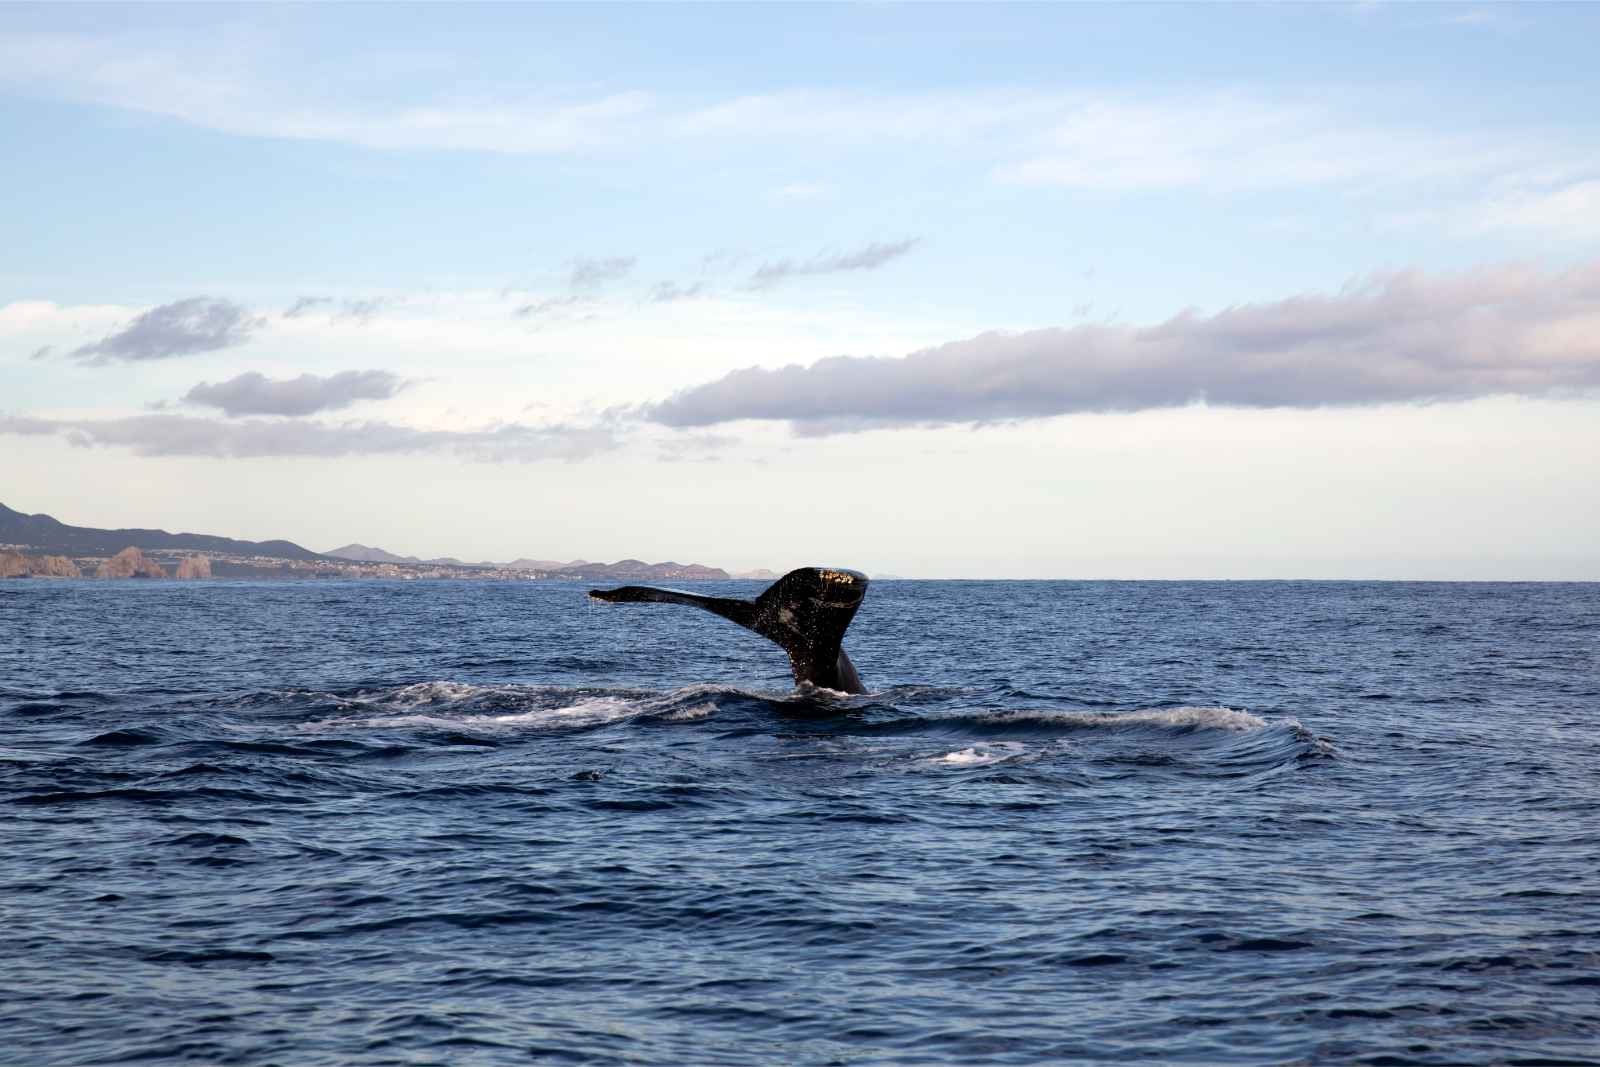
[809, 689]
[1207, 718]
[410, 696]
[691, 714]
[980, 755]
[462, 705]
[438, 698]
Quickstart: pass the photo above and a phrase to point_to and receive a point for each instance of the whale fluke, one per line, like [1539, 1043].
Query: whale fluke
[806, 612]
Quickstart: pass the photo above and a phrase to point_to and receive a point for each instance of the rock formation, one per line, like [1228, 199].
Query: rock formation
[129, 563]
[194, 567]
[16, 565]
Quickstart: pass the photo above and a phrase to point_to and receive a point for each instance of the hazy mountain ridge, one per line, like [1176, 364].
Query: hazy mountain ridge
[44, 532]
[625, 569]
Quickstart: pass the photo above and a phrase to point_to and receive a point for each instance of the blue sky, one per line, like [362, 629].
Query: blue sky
[1138, 291]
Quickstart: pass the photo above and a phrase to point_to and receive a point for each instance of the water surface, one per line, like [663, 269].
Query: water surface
[481, 823]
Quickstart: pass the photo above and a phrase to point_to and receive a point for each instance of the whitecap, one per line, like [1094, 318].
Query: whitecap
[1204, 718]
[689, 714]
[979, 755]
[430, 705]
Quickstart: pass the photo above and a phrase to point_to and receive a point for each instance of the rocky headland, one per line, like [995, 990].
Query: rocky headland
[16, 565]
[130, 563]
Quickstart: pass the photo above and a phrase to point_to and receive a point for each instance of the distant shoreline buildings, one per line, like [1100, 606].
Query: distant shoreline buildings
[39, 546]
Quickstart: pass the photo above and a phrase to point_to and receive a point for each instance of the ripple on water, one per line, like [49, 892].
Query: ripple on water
[1149, 822]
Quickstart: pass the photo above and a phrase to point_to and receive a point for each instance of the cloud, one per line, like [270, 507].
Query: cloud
[304, 305]
[182, 328]
[1107, 138]
[667, 292]
[27, 426]
[695, 447]
[871, 257]
[42, 352]
[548, 306]
[1237, 141]
[182, 435]
[1498, 18]
[590, 273]
[253, 394]
[1571, 209]
[1395, 338]
[363, 310]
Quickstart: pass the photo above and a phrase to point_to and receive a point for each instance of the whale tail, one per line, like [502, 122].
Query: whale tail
[806, 613]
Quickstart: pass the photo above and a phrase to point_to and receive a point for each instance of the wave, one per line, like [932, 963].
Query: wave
[1184, 718]
[891, 728]
[503, 708]
[508, 707]
[979, 755]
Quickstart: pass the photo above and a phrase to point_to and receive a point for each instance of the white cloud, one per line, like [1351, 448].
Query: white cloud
[1570, 210]
[183, 435]
[1241, 141]
[1111, 139]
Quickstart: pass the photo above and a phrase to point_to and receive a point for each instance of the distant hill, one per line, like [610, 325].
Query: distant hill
[41, 534]
[626, 570]
[368, 554]
[635, 570]
[44, 532]
[544, 564]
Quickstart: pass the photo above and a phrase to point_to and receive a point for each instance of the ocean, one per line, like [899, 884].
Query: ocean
[460, 823]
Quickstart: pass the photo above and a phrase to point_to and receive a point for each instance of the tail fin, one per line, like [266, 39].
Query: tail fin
[740, 611]
[806, 613]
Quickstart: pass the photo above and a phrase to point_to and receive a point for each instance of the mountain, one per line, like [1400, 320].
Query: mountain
[42, 531]
[368, 554]
[622, 570]
[358, 553]
[634, 569]
[544, 564]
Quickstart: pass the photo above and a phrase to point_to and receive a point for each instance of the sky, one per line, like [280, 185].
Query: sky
[990, 291]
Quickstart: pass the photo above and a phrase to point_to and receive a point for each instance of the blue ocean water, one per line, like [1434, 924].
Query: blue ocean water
[491, 823]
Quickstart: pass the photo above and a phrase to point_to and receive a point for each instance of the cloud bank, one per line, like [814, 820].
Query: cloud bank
[1395, 338]
[255, 394]
[182, 328]
[182, 435]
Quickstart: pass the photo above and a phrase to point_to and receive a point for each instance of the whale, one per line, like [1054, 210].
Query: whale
[806, 613]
